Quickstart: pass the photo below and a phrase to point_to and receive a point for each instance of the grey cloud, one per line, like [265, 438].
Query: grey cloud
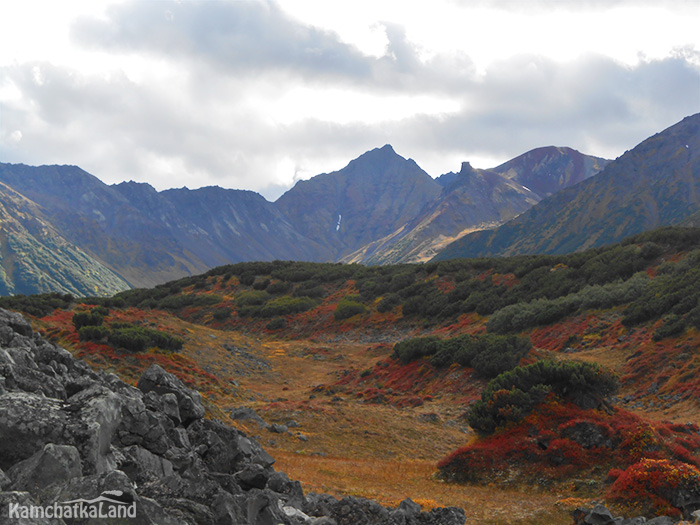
[594, 104]
[120, 130]
[234, 36]
[258, 38]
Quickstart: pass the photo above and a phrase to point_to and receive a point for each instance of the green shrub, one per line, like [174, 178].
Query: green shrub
[310, 289]
[489, 355]
[221, 313]
[347, 309]
[278, 323]
[247, 279]
[261, 284]
[402, 280]
[106, 302]
[371, 288]
[91, 318]
[279, 288]
[252, 298]
[134, 339]
[93, 333]
[294, 272]
[388, 303]
[513, 394]
[137, 338]
[164, 340]
[178, 302]
[673, 325]
[286, 305]
[416, 348]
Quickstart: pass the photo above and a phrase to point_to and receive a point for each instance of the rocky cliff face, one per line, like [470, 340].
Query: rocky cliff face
[373, 196]
[72, 438]
[479, 199]
[545, 171]
[654, 184]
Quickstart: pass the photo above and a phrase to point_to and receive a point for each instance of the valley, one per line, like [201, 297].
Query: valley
[342, 445]
[310, 348]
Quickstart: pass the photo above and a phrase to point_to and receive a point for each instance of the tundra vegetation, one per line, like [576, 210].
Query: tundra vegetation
[577, 370]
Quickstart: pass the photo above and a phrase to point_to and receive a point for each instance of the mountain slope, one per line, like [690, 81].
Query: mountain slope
[373, 196]
[477, 199]
[103, 222]
[149, 237]
[236, 225]
[654, 184]
[35, 258]
[548, 170]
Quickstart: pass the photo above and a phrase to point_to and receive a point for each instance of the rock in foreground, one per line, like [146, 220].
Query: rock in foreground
[74, 442]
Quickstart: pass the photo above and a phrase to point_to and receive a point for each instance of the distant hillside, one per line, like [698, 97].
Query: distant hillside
[35, 258]
[373, 196]
[545, 171]
[477, 199]
[654, 184]
[147, 237]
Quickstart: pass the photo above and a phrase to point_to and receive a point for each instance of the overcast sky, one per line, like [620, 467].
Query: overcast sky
[257, 94]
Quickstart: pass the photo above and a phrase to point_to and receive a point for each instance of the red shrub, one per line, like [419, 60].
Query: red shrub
[660, 485]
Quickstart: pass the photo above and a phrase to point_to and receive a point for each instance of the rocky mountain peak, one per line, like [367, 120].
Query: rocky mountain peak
[466, 168]
[375, 161]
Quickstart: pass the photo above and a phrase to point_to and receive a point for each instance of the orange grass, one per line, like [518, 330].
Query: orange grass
[389, 482]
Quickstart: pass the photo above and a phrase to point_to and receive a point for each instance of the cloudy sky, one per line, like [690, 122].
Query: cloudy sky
[255, 94]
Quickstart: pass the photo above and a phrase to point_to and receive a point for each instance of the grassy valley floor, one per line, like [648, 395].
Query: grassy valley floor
[336, 441]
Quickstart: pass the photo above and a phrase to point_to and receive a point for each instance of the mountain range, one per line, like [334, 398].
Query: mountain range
[656, 183]
[64, 230]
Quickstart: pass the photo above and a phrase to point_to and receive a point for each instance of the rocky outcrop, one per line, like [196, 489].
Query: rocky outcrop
[600, 515]
[73, 441]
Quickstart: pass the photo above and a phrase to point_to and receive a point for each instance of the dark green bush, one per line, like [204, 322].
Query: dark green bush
[106, 302]
[93, 333]
[489, 355]
[221, 313]
[310, 289]
[36, 305]
[137, 338]
[90, 318]
[252, 298]
[178, 302]
[261, 284]
[278, 323]
[673, 325]
[134, 339]
[247, 279]
[347, 308]
[101, 310]
[388, 303]
[286, 305]
[372, 288]
[503, 407]
[412, 349]
[279, 288]
[294, 272]
[513, 394]
[164, 340]
[402, 280]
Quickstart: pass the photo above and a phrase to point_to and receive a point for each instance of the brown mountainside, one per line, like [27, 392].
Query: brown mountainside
[654, 184]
